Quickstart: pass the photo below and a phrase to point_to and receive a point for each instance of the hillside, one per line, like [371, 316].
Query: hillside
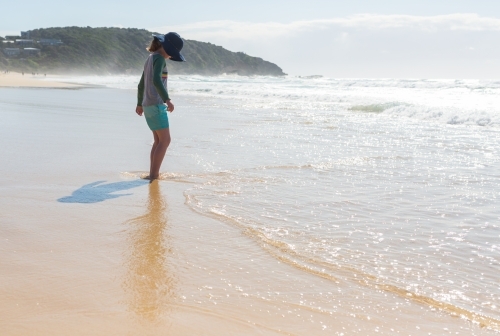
[123, 51]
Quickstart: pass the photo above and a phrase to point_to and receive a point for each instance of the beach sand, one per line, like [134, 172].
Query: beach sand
[88, 249]
[152, 267]
[15, 79]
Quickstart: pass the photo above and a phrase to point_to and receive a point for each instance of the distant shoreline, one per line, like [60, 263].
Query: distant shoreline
[18, 80]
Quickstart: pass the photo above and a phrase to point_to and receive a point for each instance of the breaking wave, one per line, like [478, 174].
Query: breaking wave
[453, 102]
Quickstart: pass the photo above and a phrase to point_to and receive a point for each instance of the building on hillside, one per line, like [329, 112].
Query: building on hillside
[7, 42]
[24, 43]
[50, 42]
[12, 52]
[25, 35]
[31, 52]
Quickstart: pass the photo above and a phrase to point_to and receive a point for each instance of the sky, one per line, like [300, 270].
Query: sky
[340, 39]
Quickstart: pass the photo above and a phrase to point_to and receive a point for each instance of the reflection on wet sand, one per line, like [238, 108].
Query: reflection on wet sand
[149, 283]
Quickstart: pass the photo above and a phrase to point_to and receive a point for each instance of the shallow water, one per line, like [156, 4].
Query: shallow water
[328, 176]
[405, 204]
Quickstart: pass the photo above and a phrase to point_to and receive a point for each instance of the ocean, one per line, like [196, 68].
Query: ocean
[380, 186]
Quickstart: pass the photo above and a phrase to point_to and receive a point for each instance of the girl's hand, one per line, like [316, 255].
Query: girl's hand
[170, 106]
[139, 110]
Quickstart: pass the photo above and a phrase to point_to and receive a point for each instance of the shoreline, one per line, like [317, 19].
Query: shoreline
[17, 80]
[167, 266]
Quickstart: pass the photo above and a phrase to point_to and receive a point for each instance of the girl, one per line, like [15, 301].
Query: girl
[152, 94]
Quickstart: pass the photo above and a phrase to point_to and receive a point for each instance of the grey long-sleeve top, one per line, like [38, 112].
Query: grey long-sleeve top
[152, 89]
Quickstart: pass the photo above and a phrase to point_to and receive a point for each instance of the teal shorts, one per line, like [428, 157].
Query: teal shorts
[156, 116]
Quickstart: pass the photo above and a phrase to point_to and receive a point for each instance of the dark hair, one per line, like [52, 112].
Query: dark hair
[155, 45]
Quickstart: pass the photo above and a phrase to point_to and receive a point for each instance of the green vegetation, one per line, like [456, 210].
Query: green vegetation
[123, 51]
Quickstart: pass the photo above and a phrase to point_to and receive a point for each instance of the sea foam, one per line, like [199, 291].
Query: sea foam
[454, 102]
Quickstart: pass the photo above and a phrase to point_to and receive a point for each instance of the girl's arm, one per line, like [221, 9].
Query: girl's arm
[140, 90]
[140, 95]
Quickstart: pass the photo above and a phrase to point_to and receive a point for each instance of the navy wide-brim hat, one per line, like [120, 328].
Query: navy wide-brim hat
[172, 44]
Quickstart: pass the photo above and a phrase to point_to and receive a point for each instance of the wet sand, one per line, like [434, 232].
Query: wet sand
[153, 267]
[88, 249]
[15, 79]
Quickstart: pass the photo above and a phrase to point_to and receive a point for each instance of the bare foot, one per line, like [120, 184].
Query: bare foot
[148, 177]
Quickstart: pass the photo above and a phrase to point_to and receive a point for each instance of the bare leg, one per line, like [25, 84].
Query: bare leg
[159, 152]
[153, 149]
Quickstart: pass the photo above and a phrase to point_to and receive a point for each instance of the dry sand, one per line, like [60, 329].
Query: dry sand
[14, 79]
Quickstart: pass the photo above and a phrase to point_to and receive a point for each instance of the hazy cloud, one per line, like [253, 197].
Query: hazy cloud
[251, 30]
[365, 45]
